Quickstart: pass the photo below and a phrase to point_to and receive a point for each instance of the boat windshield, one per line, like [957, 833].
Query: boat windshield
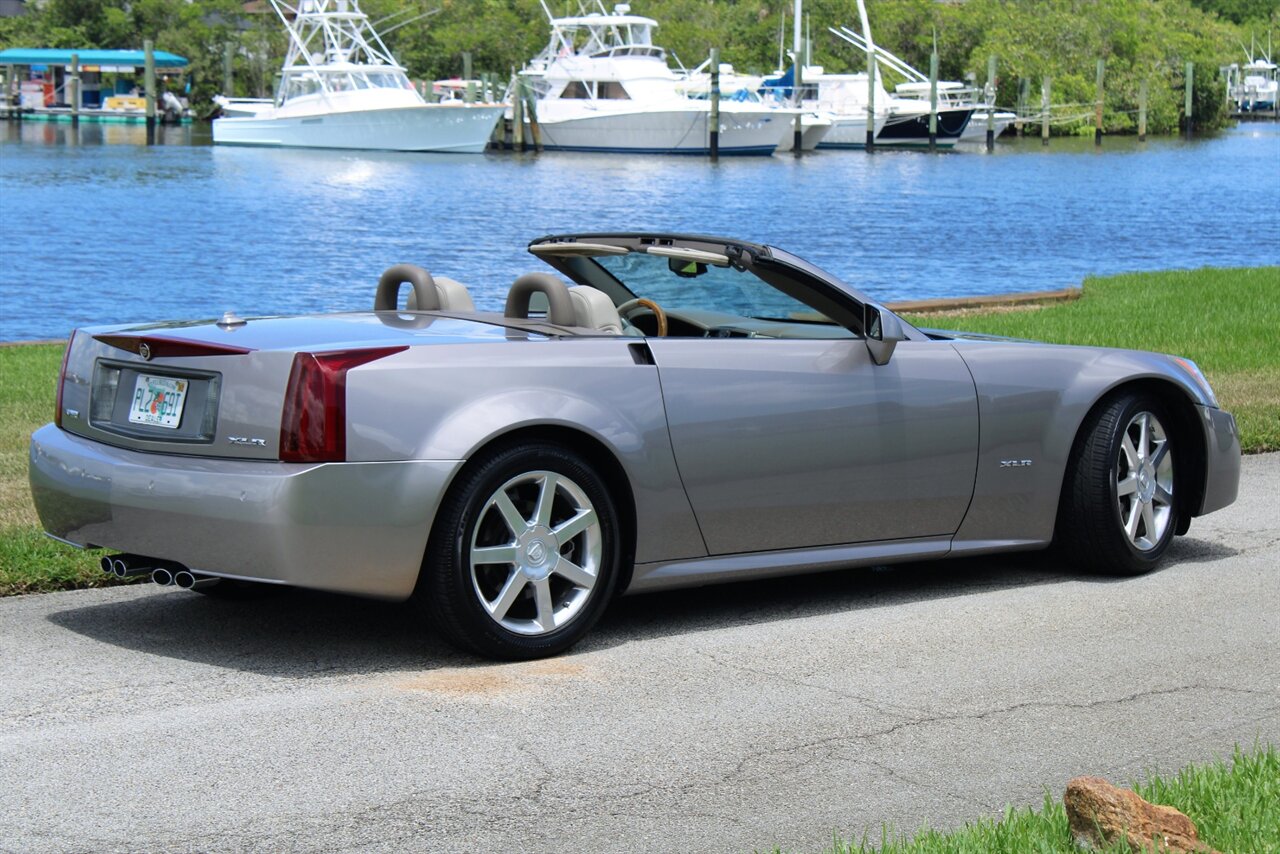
[332, 80]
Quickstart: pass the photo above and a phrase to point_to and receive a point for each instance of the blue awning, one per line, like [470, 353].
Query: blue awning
[88, 56]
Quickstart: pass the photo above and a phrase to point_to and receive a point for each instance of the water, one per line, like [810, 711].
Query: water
[99, 228]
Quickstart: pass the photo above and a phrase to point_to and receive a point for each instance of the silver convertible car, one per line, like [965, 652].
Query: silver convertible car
[681, 411]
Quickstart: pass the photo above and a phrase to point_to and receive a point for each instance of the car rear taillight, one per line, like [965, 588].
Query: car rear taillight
[313, 427]
[62, 378]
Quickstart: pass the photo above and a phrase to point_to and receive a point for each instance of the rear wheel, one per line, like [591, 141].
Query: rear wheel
[524, 555]
[1119, 510]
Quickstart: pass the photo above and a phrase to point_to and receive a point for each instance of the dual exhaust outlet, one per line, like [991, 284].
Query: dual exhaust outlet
[162, 572]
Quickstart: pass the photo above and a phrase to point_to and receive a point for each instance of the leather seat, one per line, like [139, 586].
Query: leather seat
[592, 309]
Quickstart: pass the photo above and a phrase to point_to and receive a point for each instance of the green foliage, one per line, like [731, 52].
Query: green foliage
[1139, 39]
[1243, 11]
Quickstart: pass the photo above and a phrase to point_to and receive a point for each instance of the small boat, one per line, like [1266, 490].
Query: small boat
[341, 88]
[601, 84]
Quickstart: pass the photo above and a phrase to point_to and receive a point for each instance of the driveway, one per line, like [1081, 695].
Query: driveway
[721, 719]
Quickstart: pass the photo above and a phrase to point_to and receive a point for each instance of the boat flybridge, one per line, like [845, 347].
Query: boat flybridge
[341, 88]
[601, 84]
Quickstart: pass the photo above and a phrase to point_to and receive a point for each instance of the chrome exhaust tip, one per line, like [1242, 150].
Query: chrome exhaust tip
[106, 565]
[162, 576]
[189, 580]
[127, 566]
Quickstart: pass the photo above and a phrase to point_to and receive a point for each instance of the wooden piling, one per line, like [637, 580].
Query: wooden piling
[517, 113]
[11, 96]
[469, 94]
[531, 109]
[1024, 94]
[228, 74]
[1045, 87]
[991, 103]
[798, 123]
[73, 90]
[1097, 106]
[1142, 111]
[933, 96]
[149, 84]
[1190, 75]
[713, 121]
[871, 102]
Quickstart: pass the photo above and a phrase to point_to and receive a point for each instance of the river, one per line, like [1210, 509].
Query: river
[100, 228]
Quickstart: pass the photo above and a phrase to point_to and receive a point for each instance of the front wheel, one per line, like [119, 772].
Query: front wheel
[524, 555]
[1119, 508]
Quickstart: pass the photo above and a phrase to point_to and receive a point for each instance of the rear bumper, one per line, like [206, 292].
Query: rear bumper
[1222, 459]
[348, 527]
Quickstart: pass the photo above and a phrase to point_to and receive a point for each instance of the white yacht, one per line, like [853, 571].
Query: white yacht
[341, 88]
[739, 88]
[1253, 87]
[601, 84]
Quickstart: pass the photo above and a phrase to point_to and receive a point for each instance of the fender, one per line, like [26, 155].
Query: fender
[1032, 400]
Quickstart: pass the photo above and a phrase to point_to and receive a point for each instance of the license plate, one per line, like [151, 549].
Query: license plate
[157, 401]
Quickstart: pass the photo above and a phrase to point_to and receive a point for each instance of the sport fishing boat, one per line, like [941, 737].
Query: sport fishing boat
[1253, 87]
[341, 88]
[601, 84]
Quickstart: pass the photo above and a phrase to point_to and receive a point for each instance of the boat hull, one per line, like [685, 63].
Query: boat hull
[912, 131]
[976, 130]
[665, 132]
[849, 131]
[456, 128]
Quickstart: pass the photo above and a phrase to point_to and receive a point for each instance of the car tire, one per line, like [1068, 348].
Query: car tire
[524, 554]
[1119, 508]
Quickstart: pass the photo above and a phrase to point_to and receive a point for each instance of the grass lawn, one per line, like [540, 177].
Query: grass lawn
[1235, 806]
[29, 561]
[1228, 321]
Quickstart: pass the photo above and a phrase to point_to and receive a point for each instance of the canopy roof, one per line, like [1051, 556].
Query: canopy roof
[88, 56]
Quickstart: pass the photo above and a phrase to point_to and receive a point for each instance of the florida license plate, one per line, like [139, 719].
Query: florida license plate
[158, 401]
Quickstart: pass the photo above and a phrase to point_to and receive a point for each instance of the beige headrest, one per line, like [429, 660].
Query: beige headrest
[453, 296]
[594, 310]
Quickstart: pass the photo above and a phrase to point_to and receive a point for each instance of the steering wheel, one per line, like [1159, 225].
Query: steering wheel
[631, 305]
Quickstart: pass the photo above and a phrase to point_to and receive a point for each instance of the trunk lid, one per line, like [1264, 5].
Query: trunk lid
[218, 389]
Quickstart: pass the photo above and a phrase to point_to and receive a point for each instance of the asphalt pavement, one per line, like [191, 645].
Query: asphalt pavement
[728, 718]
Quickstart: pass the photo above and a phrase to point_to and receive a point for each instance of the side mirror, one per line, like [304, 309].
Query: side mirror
[882, 331]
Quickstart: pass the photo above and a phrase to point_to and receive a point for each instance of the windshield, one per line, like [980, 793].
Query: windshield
[679, 284]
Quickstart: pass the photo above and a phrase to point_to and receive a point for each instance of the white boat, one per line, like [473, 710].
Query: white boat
[737, 88]
[601, 84]
[1253, 87]
[341, 88]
